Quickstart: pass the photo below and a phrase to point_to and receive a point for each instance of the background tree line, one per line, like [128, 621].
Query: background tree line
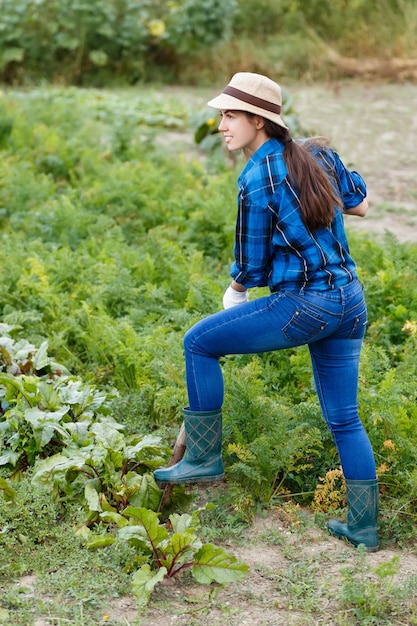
[198, 41]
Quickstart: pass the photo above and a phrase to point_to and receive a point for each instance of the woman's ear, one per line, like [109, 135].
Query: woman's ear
[259, 122]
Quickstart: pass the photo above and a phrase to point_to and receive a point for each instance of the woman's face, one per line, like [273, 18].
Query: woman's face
[242, 131]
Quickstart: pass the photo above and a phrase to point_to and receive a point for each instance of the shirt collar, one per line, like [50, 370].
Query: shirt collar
[269, 147]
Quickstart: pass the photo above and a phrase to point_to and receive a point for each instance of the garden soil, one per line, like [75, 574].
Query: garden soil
[297, 571]
[298, 575]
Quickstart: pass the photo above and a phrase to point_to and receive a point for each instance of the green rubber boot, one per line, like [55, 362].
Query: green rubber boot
[202, 461]
[361, 526]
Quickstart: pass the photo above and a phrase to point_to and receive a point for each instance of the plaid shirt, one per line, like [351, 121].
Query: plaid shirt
[273, 246]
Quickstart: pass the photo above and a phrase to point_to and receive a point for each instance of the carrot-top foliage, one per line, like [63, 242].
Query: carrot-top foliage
[116, 233]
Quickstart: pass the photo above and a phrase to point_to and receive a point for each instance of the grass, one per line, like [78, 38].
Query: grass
[45, 568]
[384, 208]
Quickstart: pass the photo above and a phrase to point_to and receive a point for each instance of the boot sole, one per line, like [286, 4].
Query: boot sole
[191, 480]
[353, 543]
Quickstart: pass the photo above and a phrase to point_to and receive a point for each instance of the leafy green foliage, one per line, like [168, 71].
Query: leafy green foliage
[7, 489]
[64, 425]
[371, 600]
[112, 248]
[106, 473]
[70, 583]
[97, 467]
[169, 552]
[100, 41]
[43, 409]
[85, 37]
[255, 428]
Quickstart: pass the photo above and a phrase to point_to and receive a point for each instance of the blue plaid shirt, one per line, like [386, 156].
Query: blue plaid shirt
[273, 246]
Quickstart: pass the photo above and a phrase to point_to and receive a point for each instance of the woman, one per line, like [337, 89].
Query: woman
[290, 236]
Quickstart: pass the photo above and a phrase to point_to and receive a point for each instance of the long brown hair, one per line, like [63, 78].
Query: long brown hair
[316, 195]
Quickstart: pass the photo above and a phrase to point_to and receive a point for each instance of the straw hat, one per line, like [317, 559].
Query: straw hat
[253, 93]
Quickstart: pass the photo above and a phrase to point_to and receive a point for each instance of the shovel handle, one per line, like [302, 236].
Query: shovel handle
[177, 454]
[179, 447]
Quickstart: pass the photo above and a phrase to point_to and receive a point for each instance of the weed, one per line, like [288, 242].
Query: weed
[371, 596]
[330, 492]
[64, 581]
[301, 585]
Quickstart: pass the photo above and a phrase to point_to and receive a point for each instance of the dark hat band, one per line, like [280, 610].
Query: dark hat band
[250, 99]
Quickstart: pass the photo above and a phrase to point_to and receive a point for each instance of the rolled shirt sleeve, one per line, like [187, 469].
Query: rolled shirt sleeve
[351, 185]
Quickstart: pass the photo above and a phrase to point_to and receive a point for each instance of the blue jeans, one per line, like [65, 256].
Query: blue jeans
[331, 322]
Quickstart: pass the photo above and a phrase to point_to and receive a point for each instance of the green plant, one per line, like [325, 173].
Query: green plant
[255, 426]
[7, 489]
[370, 593]
[77, 39]
[301, 584]
[168, 553]
[110, 257]
[45, 571]
[98, 43]
[62, 427]
[105, 473]
[44, 409]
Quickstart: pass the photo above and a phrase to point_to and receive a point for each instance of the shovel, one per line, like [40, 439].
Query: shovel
[177, 454]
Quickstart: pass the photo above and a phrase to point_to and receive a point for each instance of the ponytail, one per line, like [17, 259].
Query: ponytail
[316, 195]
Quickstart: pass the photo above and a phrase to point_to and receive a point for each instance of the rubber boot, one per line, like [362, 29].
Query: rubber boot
[202, 461]
[361, 526]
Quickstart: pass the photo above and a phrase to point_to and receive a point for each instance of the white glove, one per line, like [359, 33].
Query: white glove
[232, 297]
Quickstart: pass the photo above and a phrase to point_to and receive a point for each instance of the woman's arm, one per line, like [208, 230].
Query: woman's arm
[254, 228]
[237, 286]
[360, 209]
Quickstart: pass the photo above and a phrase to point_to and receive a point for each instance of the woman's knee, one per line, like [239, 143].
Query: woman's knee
[191, 337]
[188, 339]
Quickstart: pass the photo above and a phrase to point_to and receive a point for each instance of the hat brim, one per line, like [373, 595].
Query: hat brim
[230, 103]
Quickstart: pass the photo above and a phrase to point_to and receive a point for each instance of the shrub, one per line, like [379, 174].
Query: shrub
[47, 39]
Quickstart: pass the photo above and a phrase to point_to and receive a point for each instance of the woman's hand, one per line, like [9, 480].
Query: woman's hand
[233, 297]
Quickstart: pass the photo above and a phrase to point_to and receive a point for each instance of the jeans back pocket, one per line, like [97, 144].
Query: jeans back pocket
[359, 323]
[304, 325]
